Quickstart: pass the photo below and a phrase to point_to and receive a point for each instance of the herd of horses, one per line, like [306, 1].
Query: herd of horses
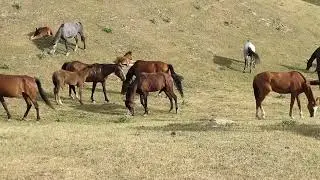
[144, 77]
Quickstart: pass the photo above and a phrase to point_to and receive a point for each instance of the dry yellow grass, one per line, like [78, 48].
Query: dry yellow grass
[215, 134]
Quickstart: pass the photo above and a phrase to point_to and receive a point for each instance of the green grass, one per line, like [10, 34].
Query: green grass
[215, 134]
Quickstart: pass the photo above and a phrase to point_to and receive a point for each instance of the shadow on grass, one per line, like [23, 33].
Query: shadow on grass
[227, 62]
[107, 108]
[315, 2]
[194, 126]
[308, 130]
[293, 68]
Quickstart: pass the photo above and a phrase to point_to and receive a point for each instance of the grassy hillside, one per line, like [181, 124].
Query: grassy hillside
[215, 135]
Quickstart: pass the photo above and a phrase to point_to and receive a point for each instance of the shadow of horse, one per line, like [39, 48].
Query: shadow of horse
[106, 108]
[194, 127]
[227, 62]
[293, 68]
[309, 130]
[315, 2]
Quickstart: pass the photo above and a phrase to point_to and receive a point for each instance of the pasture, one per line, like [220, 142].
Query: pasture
[215, 134]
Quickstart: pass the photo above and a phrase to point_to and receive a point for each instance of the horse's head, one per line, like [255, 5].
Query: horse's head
[37, 34]
[130, 105]
[312, 107]
[119, 72]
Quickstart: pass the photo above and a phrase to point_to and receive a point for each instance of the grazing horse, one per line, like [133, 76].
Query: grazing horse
[315, 55]
[62, 77]
[41, 32]
[293, 83]
[69, 30]
[150, 82]
[99, 74]
[250, 56]
[152, 67]
[25, 86]
[125, 60]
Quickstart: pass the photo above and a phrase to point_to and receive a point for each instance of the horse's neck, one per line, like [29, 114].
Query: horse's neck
[107, 71]
[309, 95]
[132, 89]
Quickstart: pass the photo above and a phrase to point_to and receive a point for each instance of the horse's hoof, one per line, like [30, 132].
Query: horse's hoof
[93, 102]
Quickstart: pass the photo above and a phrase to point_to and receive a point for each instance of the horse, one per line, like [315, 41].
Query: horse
[41, 32]
[150, 82]
[62, 77]
[292, 82]
[124, 60]
[99, 73]
[152, 67]
[250, 56]
[315, 55]
[69, 30]
[25, 86]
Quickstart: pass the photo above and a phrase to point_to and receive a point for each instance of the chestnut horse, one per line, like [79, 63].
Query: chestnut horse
[293, 83]
[99, 74]
[62, 77]
[150, 82]
[152, 67]
[25, 86]
[124, 60]
[41, 32]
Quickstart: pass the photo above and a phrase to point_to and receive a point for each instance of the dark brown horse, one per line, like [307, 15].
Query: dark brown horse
[41, 32]
[25, 86]
[62, 77]
[293, 83]
[124, 60]
[152, 67]
[150, 82]
[99, 74]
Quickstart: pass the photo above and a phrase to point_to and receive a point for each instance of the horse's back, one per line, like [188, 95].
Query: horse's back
[248, 45]
[150, 66]
[70, 29]
[15, 85]
[74, 66]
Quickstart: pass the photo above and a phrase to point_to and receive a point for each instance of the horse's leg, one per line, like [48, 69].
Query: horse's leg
[56, 94]
[169, 95]
[80, 93]
[29, 104]
[259, 100]
[94, 84]
[4, 104]
[250, 64]
[299, 105]
[141, 100]
[66, 44]
[145, 97]
[76, 38]
[245, 64]
[104, 90]
[83, 39]
[293, 97]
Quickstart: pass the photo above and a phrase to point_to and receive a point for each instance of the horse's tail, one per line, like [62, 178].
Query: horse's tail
[177, 79]
[255, 90]
[42, 93]
[254, 55]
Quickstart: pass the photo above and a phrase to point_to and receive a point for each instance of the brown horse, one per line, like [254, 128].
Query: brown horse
[150, 82]
[99, 74]
[152, 67]
[25, 86]
[293, 83]
[62, 77]
[41, 32]
[124, 60]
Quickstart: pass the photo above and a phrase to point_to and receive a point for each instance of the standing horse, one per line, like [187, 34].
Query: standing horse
[99, 73]
[250, 56]
[41, 32]
[293, 83]
[62, 77]
[152, 67]
[25, 86]
[315, 55]
[69, 30]
[150, 82]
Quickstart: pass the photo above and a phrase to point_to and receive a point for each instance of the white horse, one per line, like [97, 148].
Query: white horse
[250, 56]
[69, 30]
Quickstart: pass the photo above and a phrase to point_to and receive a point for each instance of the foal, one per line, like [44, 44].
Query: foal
[250, 56]
[69, 30]
[150, 82]
[62, 77]
[41, 32]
